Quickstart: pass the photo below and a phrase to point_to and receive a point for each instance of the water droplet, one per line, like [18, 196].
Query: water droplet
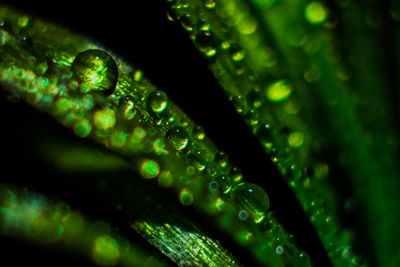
[221, 159]
[149, 169]
[96, 70]
[236, 174]
[178, 137]
[265, 135]
[158, 101]
[186, 22]
[278, 91]
[199, 133]
[199, 159]
[252, 199]
[127, 106]
[225, 183]
[316, 13]
[206, 43]
[240, 104]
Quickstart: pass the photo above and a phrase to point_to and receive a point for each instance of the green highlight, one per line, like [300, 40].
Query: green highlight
[104, 119]
[186, 197]
[296, 139]
[82, 128]
[278, 91]
[316, 13]
[106, 251]
[149, 169]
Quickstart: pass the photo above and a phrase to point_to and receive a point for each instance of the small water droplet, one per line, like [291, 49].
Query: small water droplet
[199, 159]
[265, 135]
[178, 137]
[240, 104]
[252, 199]
[225, 183]
[127, 106]
[157, 101]
[221, 159]
[206, 43]
[96, 70]
[199, 133]
[236, 174]
[186, 22]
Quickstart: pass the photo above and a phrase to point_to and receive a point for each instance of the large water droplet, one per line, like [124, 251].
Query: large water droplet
[252, 199]
[95, 70]
[178, 137]
[158, 101]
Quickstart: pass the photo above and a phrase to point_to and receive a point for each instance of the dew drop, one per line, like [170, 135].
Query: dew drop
[186, 22]
[96, 70]
[199, 159]
[265, 135]
[221, 159]
[252, 199]
[206, 43]
[127, 107]
[225, 183]
[236, 175]
[178, 137]
[240, 104]
[157, 101]
[199, 133]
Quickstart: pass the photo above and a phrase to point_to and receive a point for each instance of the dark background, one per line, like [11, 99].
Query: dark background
[140, 32]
